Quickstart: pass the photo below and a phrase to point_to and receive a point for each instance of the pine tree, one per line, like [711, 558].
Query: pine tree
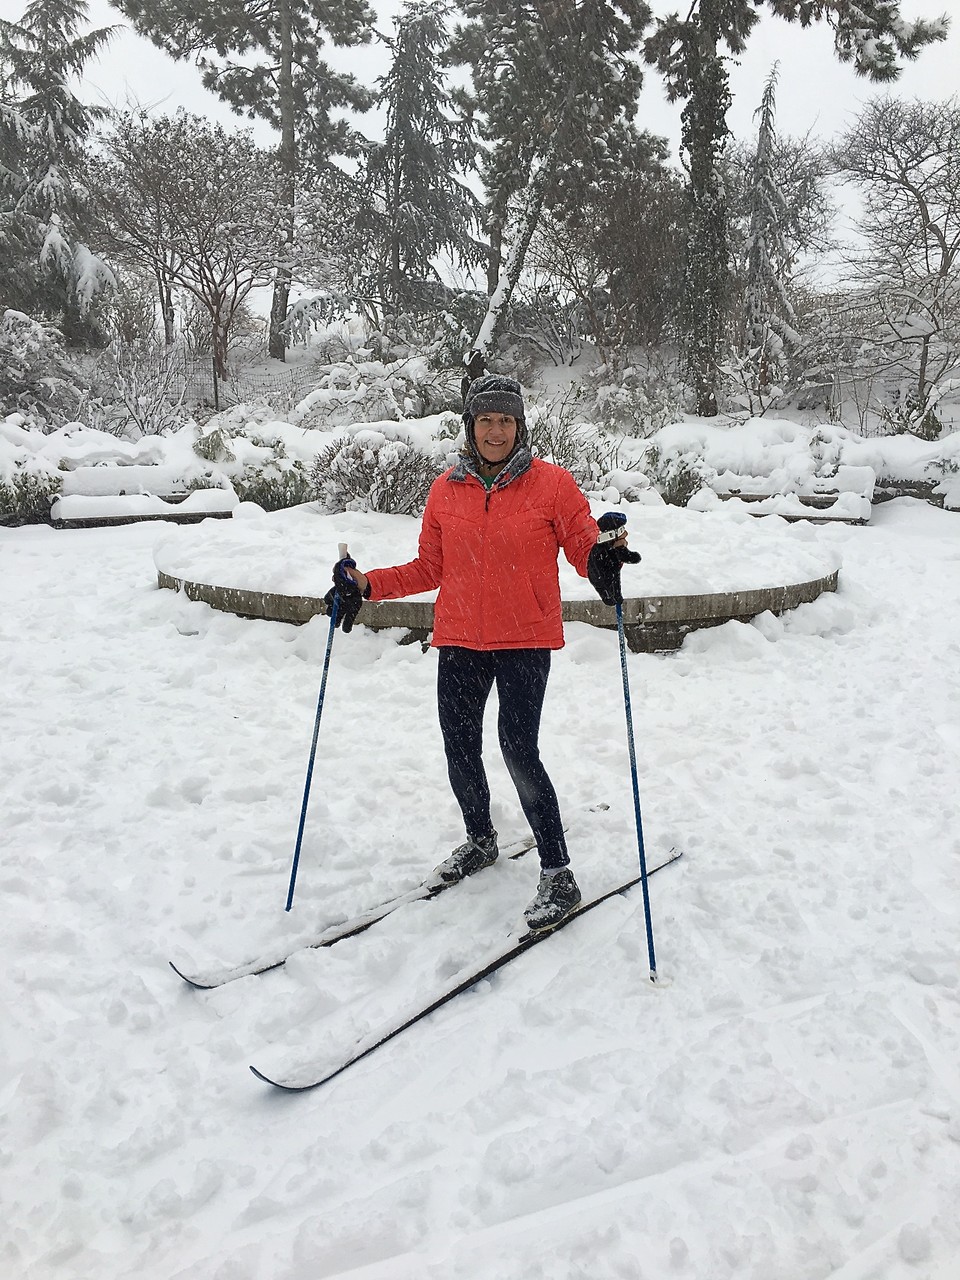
[264, 57]
[870, 34]
[427, 208]
[770, 320]
[555, 86]
[43, 129]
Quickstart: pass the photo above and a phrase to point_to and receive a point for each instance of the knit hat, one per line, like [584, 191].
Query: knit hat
[493, 394]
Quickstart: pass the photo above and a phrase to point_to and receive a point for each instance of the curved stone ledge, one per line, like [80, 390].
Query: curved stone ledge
[651, 623]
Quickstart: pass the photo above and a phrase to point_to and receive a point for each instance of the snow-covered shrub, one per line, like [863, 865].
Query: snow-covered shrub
[26, 497]
[676, 476]
[36, 378]
[636, 399]
[29, 482]
[826, 450]
[545, 325]
[558, 433]
[251, 453]
[745, 386]
[906, 417]
[274, 484]
[370, 391]
[214, 444]
[146, 384]
[372, 473]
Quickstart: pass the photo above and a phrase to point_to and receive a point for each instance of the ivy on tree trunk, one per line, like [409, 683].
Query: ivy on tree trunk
[706, 280]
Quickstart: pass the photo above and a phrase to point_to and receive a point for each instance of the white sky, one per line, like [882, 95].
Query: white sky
[815, 92]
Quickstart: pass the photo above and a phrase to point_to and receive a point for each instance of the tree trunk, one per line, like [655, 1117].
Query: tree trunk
[395, 286]
[166, 306]
[495, 257]
[508, 273]
[922, 372]
[540, 174]
[277, 345]
[706, 275]
[219, 337]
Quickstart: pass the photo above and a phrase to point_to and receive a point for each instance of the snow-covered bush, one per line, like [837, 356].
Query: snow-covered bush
[370, 391]
[251, 452]
[29, 482]
[676, 476]
[745, 387]
[369, 472]
[906, 417]
[36, 378]
[559, 433]
[274, 483]
[635, 399]
[147, 380]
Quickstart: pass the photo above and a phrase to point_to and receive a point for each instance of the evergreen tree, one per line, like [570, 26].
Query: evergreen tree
[427, 208]
[870, 34]
[264, 57]
[555, 86]
[43, 128]
[770, 320]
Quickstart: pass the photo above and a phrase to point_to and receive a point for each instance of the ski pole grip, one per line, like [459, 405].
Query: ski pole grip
[344, 554]
[611, 525]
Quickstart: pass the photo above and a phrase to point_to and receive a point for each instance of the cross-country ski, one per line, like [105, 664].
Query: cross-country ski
[432, 887]
[303, 1078]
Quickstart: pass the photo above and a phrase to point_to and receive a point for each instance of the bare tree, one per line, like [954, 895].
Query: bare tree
[197, 206]
[905, 158]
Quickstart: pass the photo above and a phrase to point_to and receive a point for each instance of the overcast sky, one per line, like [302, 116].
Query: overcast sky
[815, 92]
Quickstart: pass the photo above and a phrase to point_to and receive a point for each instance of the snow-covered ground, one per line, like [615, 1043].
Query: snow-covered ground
[683, 553]
[785, 1106]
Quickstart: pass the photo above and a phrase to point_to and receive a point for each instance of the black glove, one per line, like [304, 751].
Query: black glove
[606, 559]
[348, 595]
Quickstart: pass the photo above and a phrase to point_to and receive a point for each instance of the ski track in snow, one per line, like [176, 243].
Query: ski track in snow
[785, 1107]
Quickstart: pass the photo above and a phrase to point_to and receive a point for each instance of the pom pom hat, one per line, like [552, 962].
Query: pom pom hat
[493, 394]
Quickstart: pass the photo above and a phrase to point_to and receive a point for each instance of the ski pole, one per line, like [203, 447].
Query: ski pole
[611, 526]
[636, 792]
[334, 610]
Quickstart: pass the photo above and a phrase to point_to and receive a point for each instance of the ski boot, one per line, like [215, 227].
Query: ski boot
[557, 896]
[469, 858]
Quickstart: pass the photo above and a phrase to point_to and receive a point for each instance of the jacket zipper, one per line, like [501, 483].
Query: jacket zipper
[483, 564]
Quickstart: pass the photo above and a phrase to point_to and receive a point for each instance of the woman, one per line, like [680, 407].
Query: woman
[492, 531]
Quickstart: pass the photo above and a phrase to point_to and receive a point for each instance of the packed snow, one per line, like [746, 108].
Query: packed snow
[784, 1105]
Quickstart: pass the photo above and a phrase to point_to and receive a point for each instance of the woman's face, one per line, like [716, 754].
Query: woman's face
[495, 434]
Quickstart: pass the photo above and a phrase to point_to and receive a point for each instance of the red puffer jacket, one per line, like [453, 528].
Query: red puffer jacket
[493, 555]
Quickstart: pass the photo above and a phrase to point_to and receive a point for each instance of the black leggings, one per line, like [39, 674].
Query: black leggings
[464, 680]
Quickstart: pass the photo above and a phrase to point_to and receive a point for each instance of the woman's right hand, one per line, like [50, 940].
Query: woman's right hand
[350, 570]
[349, 588]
